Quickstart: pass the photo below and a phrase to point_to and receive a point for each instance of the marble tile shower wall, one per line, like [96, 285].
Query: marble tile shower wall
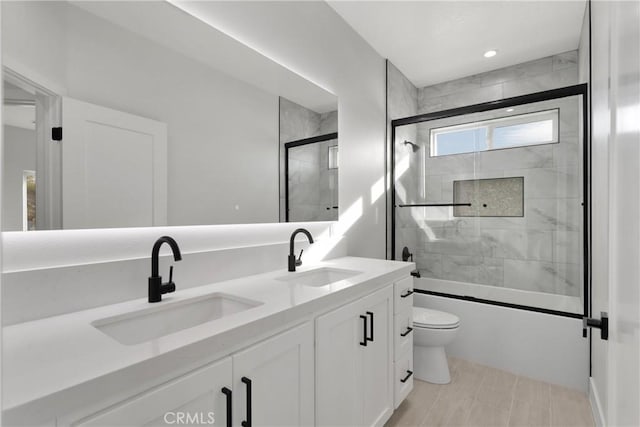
[402, 101]
[308, 165]
[533, 76]
[312, 186]
[538, 252]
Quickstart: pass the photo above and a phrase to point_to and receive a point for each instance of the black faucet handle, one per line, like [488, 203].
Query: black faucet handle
[168, 287]
[299, 260]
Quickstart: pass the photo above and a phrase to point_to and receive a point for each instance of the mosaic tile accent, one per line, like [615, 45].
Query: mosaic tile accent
[489, 197]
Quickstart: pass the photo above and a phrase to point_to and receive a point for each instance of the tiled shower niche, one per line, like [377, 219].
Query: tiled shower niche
[491, 197]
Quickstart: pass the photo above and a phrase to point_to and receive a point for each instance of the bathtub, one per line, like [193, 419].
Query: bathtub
[539, 345]
[553, 302]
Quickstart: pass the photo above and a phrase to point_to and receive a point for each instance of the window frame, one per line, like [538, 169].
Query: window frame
[499, 122]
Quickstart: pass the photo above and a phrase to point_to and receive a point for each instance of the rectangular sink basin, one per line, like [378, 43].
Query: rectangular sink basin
[166, 318]
[318, 277]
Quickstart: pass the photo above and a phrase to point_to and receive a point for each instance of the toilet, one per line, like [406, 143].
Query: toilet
[433, 330]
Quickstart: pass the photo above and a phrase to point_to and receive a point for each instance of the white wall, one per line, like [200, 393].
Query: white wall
[20, 155]
[222, 133]
[312, 40]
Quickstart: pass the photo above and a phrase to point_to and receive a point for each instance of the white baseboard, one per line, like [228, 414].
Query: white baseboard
[596, 407]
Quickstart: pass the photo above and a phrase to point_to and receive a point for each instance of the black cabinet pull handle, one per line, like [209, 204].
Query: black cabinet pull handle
[247, 381]
[409, 292]
[409, 373]
[364, 335]
[407, 332]
[370, 314]
[227, 392]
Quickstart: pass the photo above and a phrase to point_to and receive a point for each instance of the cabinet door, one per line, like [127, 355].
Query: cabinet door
[378, 359]
[192, 399]
[279, 373]
[339, 369]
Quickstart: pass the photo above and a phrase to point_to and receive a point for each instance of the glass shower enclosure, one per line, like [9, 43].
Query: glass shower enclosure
[491, 201]
[311, 179]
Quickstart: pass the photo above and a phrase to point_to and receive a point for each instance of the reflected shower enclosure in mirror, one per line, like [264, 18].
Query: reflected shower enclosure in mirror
[309, 163]
[164, 120]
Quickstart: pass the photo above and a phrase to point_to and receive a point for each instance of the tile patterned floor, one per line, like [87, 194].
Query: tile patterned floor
[483, 396]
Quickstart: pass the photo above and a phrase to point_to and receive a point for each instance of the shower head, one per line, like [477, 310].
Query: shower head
[414, 147]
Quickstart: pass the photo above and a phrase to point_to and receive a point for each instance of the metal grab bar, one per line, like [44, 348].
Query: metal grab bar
[418, 205]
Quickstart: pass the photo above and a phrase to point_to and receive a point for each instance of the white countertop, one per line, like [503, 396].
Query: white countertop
[54, 354]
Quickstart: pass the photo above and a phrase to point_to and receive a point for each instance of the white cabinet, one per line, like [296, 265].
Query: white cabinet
[354, 362]
[273, 381]
[403, 339]
[279, 372]
[349, 367]
[192, 399]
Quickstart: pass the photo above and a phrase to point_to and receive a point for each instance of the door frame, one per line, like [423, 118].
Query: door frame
[48, 106]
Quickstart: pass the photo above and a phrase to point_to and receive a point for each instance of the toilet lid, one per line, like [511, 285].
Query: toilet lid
[427, 318]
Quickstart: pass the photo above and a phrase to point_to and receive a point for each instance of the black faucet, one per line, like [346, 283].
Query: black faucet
[156, 287]
[293, 262]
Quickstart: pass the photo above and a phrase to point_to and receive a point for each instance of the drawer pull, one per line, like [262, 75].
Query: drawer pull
[407, 332]
[227, 393]
[364, 335]
[409, 292]
[248, 421]
[370, 314]
[404, 380]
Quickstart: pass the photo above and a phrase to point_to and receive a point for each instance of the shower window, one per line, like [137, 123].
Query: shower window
[333, 157]
[495, 134]
[499, 226]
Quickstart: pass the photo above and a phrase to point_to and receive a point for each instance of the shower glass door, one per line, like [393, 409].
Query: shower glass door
[311, 170]
[490, 201]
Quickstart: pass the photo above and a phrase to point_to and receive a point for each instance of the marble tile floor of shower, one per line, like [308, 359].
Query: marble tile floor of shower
[483, 396]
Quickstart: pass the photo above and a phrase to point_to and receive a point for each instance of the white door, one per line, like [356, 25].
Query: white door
[340, 336]
[624, 283]
[114, 168]
[615, 390]
[377, 359]
[193, 399]
[273, 381]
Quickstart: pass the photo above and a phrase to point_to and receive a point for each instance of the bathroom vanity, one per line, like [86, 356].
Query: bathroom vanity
[325, 345]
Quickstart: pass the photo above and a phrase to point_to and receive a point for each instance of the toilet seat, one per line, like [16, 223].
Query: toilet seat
[434, 319]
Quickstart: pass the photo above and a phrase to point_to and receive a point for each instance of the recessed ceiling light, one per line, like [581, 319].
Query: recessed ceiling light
[490, 53]
[509, 110]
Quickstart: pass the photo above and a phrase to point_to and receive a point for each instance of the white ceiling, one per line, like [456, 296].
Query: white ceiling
[436, 41]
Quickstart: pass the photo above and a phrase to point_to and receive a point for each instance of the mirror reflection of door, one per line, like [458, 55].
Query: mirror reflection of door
[114, 168]
[312, 179]
[19, 174]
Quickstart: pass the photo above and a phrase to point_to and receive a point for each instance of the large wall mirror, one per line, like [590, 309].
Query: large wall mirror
[137, 114]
